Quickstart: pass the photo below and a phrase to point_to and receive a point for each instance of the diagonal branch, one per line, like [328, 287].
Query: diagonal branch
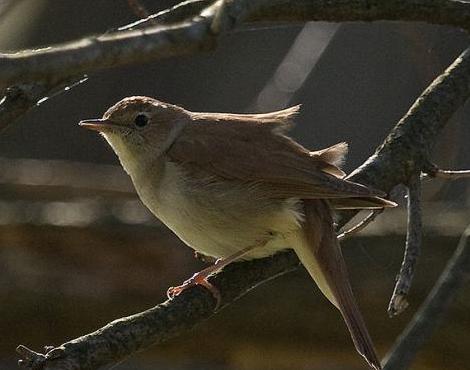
[360, 225]
[19, 99]
[178, 13]
[127, 335]
[406, 149]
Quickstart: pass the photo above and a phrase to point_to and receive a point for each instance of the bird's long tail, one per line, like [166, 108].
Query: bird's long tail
[320, 253]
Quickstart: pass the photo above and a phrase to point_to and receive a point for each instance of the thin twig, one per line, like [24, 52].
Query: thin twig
[178, 13]
[433, 171]
[19, 99]
[361, 225]
[31, 359]
[398, 302]
[452, 174]
[433, 309]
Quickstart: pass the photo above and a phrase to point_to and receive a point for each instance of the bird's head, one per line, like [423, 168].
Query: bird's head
[139, 129]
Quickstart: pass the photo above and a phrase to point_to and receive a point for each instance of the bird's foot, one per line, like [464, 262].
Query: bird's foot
[199, 278]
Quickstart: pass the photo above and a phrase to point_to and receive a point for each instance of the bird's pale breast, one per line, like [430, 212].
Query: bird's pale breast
[215, 217]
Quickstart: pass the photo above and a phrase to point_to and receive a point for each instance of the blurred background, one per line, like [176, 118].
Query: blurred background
[77, 249]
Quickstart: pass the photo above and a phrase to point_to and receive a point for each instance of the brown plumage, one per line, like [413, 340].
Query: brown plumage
[236, 186]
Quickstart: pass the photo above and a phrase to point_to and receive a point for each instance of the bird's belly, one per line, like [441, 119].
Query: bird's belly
[218, 232]
[219, 224]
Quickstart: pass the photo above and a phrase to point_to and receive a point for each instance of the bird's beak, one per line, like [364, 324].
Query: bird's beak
[98, 124]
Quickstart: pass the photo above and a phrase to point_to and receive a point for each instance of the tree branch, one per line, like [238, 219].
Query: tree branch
[434, 171]
[200, 33]
[195, 26]
[398, 302]
[125, 336]
[361, 225]
[406, 149]
[433, 309]
[178, 13]
[19, 99]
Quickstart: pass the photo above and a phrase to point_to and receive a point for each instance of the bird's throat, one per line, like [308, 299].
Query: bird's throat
[131, 160]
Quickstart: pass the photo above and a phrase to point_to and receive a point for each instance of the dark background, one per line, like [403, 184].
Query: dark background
[73, 258]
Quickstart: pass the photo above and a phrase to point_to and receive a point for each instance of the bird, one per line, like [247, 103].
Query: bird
[238, 187]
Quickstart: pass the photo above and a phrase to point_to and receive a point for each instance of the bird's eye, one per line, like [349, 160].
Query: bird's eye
[141, 120]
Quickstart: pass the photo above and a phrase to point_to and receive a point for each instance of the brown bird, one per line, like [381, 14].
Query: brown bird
[235, 186]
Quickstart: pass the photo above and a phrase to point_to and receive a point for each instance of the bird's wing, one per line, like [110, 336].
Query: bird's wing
[321, 255]
[248, 149]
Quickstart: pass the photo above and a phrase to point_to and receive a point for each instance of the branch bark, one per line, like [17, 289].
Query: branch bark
[406, 149]
[190, 27]
[398, 302]
[128, 335]
[201, 32]
[434, 171]
[19, 99]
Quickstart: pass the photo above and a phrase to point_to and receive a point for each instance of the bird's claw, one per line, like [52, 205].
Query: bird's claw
[196, 279]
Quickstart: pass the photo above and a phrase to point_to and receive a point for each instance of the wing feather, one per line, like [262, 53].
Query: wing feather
[251, 151]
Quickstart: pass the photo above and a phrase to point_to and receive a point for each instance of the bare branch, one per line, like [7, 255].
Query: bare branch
[178, 13]
[127, 335]
[360, 225]
[198, 34]
[199, 24]
[433, 309]
[31, 359]
[19, 99]
[398, 302]
[434, 171]
[452, 174]
[405, 151]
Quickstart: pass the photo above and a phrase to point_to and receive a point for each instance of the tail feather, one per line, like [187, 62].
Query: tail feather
[361, 203]
[321, 255]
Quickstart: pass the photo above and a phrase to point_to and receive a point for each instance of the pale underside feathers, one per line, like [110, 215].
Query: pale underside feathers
[237, 147]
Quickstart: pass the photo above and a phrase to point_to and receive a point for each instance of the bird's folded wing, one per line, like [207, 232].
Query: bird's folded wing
[255, 153]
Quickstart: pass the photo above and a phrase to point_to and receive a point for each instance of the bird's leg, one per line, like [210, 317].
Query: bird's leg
[200, 278]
